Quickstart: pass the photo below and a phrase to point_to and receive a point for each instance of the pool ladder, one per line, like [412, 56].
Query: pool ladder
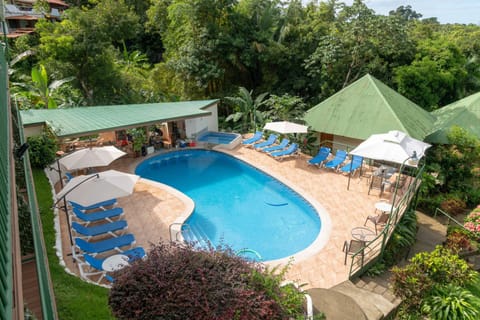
[174, 234]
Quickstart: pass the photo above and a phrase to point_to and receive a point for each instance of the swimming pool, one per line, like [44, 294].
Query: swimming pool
[236, 204]
[226, 140]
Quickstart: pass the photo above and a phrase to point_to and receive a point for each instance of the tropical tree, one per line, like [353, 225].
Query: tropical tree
[84, 45]
[37, 93]
[246, 109]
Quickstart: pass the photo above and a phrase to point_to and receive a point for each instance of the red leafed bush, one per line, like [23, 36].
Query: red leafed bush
[180, 282]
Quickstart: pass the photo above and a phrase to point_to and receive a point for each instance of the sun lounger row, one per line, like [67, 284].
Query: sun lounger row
[338, 162]
[99, 234]
[278, 151]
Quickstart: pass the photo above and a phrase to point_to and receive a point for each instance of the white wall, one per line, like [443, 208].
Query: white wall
[206, 123]
[33, 130]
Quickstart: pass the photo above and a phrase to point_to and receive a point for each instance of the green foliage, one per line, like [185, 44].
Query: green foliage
[425, 271]
[455, 165]
[450, 301]
[182, 282]
[246, 110]
[42, 150]
[139, 138]
[284, 108]
[401, 240]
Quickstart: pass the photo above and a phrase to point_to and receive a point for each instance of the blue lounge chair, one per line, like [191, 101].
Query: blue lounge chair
[68, 176]
[256, 137]
[269, 142]
[98, 205]
[110, 244]
[340, 157]
[98, 215]
[353, 165]
[94, 265]
[102, 229]
[290, 151]
[278, 147]
[321, 156]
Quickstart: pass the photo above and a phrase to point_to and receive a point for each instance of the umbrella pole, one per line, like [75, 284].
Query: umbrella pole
[65, 207]
[350, 173]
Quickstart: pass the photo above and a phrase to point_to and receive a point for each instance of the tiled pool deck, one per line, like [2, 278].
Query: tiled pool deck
[150, 211]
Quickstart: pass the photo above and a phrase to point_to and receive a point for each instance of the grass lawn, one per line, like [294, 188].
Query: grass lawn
[75, 298]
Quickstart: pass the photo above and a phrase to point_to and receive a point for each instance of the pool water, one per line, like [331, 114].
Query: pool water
[236, 204]
[217, 137]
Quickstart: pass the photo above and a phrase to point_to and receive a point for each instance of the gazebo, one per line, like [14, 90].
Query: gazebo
[367, 107]
[464, 113]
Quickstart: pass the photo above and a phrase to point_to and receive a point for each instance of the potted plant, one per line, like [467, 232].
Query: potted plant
[139, 138]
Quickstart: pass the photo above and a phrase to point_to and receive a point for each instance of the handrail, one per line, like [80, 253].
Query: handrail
[176, 234]
[450, 218]
[374, 249]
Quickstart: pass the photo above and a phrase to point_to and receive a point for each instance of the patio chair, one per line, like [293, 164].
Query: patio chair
[352, 247]
[283, 144]
[256, 137]
[87, 218]
[98, 205]
[353, 165]
[92, 266]
[340, 157]
[290, 151]
[110, 228]
[378, 220]
[110, 244]
[321, 156]
[271, 140]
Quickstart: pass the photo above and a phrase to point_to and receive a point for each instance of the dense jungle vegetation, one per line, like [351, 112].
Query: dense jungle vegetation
[137, 51]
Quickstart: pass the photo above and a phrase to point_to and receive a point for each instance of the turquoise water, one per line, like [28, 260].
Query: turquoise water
[235, 203]
[217, 137]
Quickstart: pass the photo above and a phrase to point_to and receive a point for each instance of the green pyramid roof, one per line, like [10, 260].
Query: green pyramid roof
[464, 113]
[368, 107]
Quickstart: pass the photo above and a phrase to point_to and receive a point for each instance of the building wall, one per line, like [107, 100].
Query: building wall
[197, 125]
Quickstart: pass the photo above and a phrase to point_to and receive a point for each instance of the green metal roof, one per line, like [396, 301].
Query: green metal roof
[464, 113]
[368, 107]
[71, 122]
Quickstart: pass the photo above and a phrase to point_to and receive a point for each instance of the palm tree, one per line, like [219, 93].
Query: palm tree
[246, 109]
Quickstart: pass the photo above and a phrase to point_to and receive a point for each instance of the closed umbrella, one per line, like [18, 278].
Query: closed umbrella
[91, 157]
[285, 127]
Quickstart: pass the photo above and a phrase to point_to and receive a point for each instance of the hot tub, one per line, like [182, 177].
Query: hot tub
[225, 140]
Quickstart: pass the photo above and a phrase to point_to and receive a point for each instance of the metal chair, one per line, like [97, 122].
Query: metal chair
[353, 247]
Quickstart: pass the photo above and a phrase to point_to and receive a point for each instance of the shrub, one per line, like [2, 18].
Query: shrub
[459, 240]
[42, 150]
[426, 269]
[179, 282]
[451, 302]
[472, 222]
[453, 205]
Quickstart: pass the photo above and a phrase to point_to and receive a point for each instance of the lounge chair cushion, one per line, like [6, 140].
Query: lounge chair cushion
[256, 137]
[105, 245]
[98, 215]
[102, 229]
[99, 205]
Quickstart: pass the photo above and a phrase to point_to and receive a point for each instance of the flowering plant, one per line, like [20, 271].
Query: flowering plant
[472, 221]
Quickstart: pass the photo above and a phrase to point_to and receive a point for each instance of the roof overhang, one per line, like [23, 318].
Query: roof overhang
[83, 121]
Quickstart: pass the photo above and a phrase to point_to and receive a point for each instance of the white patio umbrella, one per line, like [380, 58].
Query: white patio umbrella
[91, 157]
[285, 127]
[394, 146]
[93, 188]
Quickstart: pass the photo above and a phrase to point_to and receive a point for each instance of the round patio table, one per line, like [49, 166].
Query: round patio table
[115, 262]
[363, 234]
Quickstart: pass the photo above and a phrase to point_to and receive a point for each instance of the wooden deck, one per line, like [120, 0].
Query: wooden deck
[31, 293]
